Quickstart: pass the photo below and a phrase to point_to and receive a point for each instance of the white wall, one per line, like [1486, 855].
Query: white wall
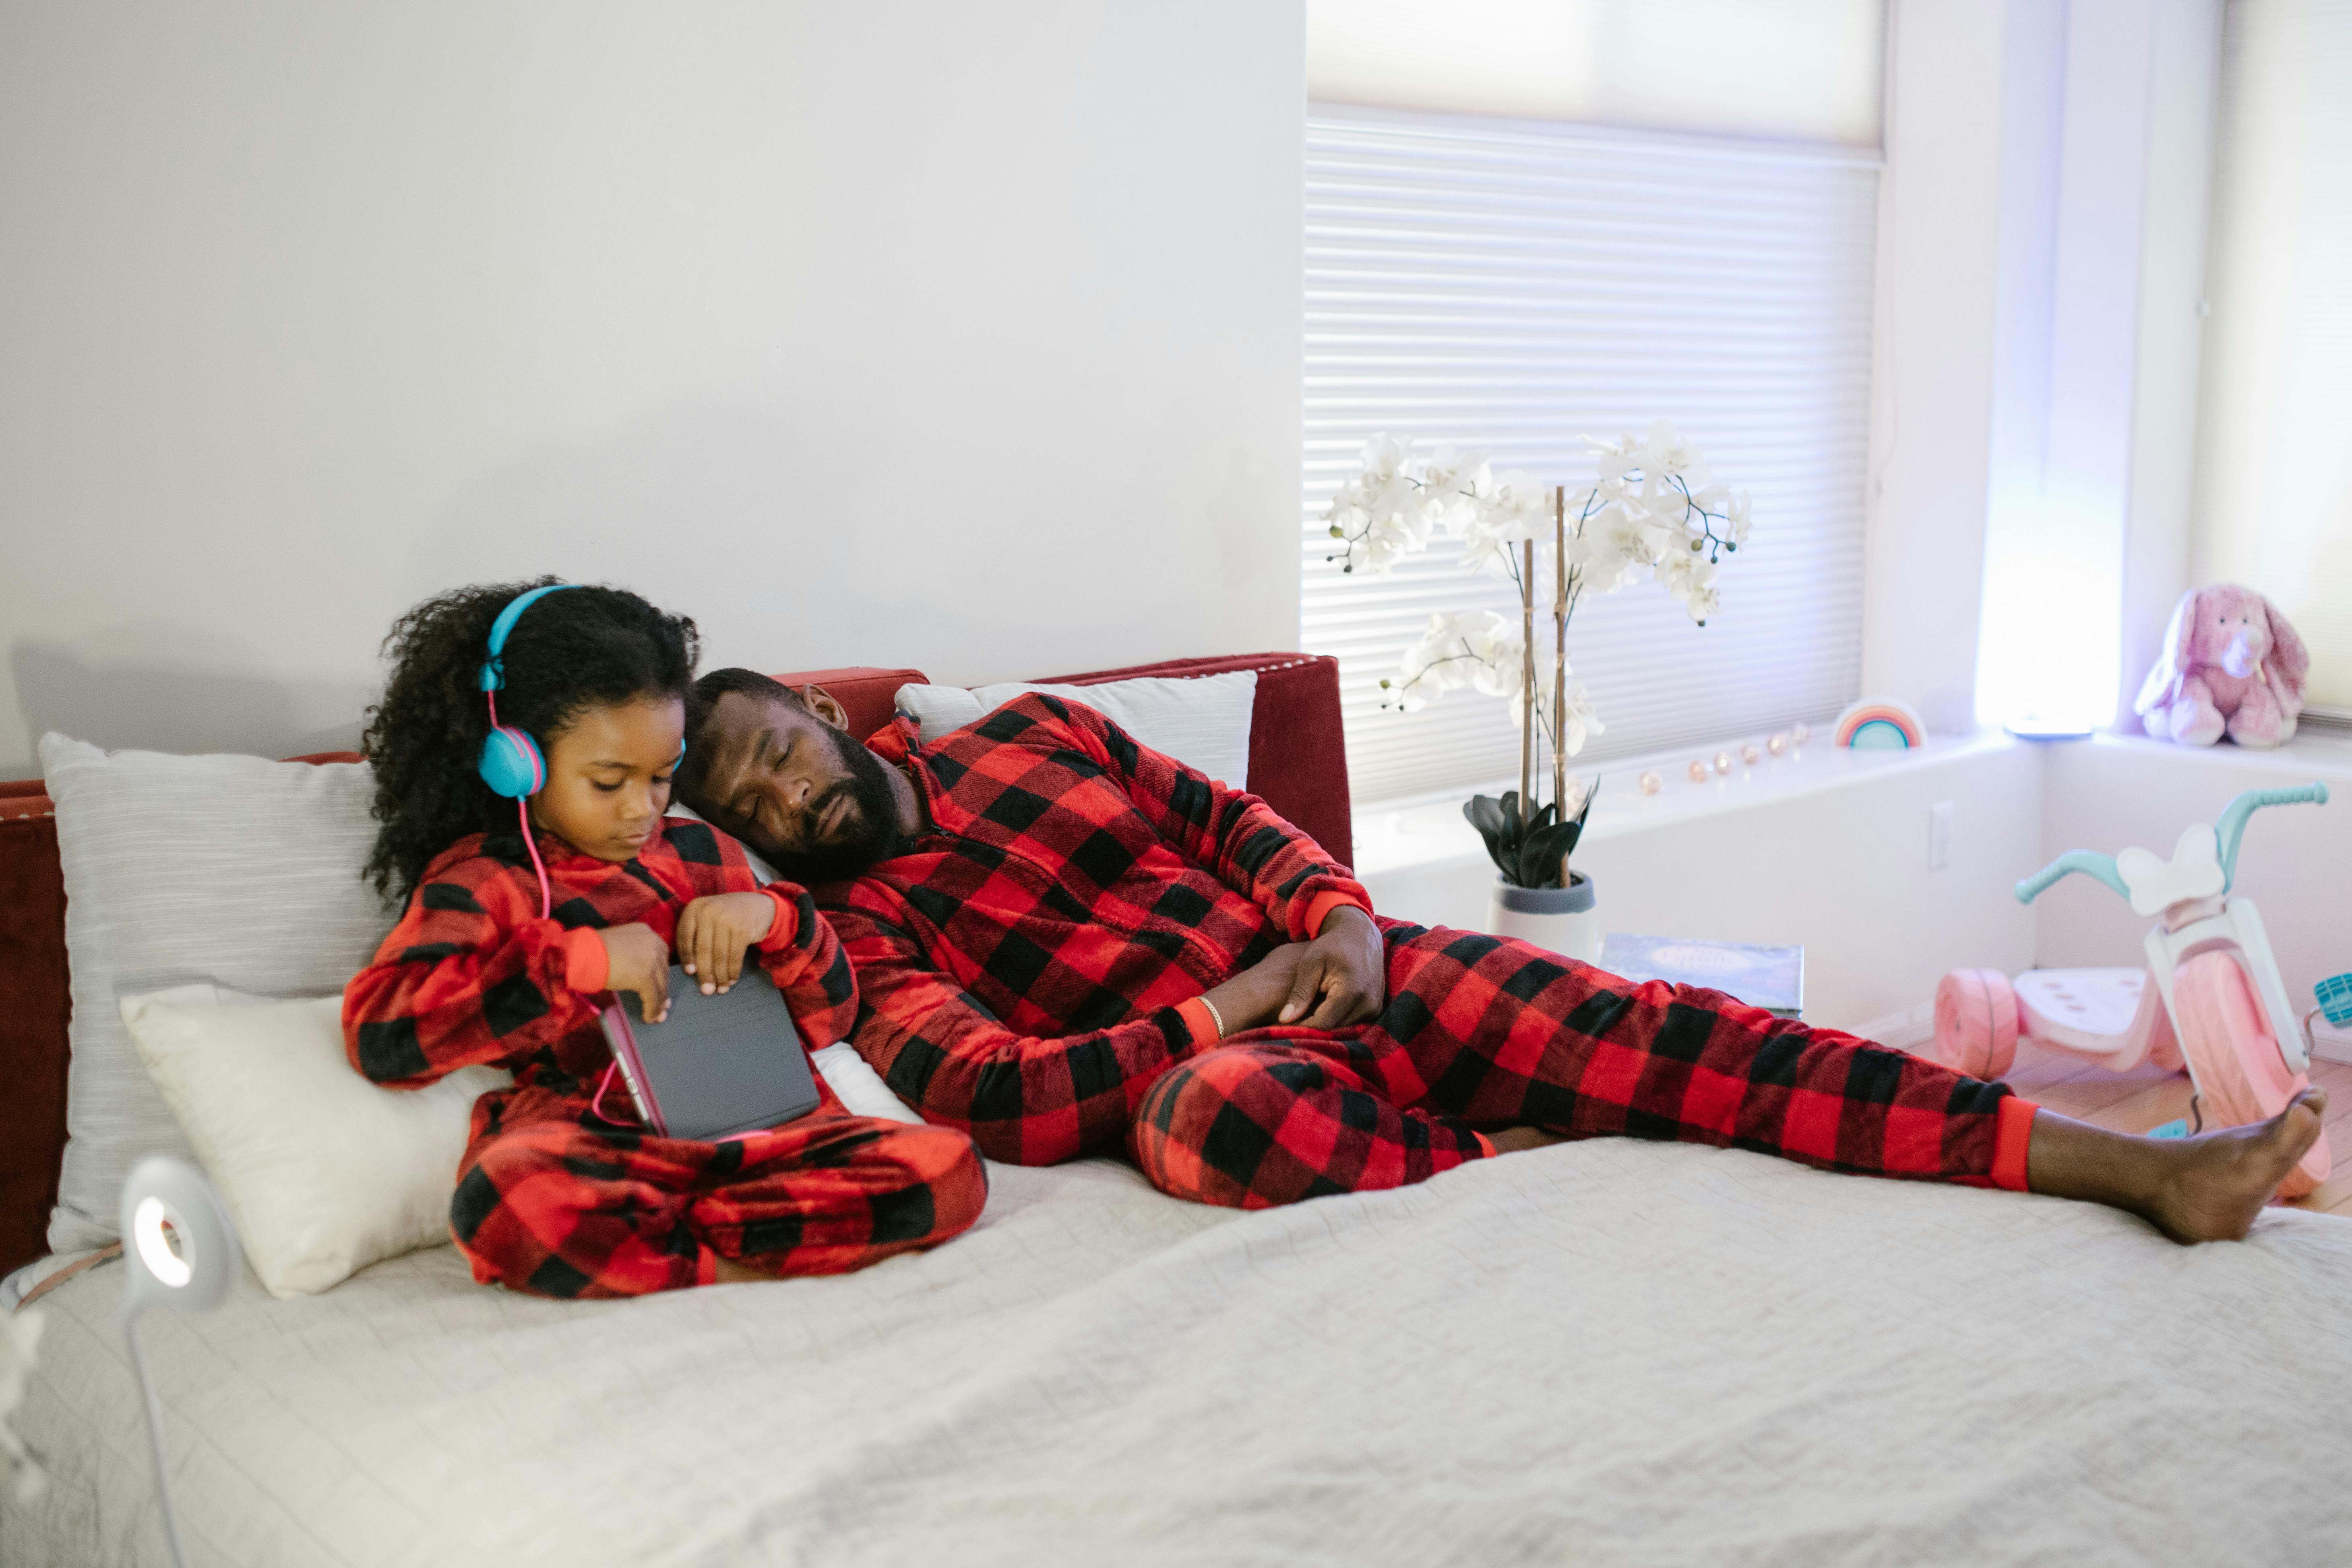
[2110, 111]
[2033, 114]
[2074, 630]
[965, 337]
[2185, 69]
[2041, 259]
[1938, 284]
[2274, 460]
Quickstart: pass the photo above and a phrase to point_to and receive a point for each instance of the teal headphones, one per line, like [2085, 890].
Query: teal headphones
[510, 763]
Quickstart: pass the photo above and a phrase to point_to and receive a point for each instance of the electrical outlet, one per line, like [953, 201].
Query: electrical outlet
[1939, 836]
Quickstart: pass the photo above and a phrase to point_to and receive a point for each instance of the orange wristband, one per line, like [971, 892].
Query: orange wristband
[1320, 908]
[586, 965]
[786, 925]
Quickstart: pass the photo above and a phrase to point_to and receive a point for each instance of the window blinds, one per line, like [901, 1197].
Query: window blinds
[1513, 285]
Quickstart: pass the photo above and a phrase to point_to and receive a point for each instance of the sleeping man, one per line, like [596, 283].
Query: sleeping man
[1066, 943]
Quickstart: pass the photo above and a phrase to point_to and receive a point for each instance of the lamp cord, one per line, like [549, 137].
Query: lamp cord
[155, 1443]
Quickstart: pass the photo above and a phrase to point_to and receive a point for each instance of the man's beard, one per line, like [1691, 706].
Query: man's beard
[873, 821]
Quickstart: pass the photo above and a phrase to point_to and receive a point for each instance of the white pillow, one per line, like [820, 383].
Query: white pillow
[323, 1172]
[1201, 720]
[858, 1086]
[226, 870]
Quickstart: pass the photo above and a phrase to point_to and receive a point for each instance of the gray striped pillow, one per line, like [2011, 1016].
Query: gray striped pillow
[231, 871]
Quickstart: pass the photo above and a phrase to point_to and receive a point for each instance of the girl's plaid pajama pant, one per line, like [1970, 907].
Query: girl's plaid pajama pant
[552, 1200]
[1484, 1032]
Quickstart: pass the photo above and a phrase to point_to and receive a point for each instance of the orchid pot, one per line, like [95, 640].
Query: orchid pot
[1558, 919]
[1538, 897]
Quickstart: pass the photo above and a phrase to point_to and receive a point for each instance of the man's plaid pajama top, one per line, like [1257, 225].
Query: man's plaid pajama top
[554, 1195]
[1028, 970]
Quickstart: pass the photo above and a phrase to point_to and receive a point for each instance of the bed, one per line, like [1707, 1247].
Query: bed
[1610, 1351]
[1607, 1352]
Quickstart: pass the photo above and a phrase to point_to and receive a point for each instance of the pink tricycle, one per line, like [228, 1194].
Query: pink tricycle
[2217, 1006]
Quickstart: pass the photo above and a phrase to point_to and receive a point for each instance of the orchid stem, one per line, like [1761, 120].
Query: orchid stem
[1560, 662]
[1528, 678]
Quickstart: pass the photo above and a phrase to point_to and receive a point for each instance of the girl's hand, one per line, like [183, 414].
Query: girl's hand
[713, 932]
[637, 960]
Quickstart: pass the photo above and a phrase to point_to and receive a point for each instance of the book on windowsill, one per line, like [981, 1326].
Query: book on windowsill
[1772, 978]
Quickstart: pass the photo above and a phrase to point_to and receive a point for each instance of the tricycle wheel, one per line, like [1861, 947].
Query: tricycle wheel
[1975, 1023]
[2240, 1075]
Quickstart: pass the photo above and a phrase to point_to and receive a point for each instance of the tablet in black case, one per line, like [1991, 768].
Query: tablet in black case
[718, 1067]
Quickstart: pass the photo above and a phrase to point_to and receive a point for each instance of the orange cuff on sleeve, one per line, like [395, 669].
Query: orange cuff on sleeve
[787, 923]
[1199, 1021]
[1485, 1144]
[2011, 1136]
[586, 965]
[1319, 910]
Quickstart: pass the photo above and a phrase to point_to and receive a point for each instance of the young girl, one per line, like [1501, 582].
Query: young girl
[514, 941]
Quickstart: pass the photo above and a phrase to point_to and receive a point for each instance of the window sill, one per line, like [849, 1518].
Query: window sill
[1420, 834]
[2312, 754]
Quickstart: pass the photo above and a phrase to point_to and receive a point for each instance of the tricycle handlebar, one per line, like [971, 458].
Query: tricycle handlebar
[2103, 867]
[2227, 833]
[2233, 825]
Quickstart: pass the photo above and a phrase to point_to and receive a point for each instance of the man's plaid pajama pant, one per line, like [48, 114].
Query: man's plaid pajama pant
[552, 1200]
[1483, 1032]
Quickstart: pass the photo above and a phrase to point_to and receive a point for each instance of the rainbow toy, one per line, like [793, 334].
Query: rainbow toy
[1880, 724]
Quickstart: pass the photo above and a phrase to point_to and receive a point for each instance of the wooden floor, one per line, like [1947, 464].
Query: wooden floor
[2137, 1101]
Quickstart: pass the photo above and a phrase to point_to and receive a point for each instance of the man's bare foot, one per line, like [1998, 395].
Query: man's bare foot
[2215, 1190]
[1511, 1139]
[2207, 1188]
[731, 1272]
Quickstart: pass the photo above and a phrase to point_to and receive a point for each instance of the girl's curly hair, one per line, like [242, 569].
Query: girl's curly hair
[586, 647]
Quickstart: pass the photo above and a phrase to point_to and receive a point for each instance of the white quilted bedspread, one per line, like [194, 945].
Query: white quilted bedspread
[1608, 1353]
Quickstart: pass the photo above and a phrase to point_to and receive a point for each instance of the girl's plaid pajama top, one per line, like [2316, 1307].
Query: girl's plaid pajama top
[554, 1197]
[1030, 969]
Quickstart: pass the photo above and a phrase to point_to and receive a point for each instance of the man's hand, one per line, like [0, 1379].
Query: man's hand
[1342, 976]
[713, 932]
[637, 960]
[1250, 999]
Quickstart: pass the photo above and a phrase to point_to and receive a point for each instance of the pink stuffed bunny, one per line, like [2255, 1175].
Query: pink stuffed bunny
[2230, 661]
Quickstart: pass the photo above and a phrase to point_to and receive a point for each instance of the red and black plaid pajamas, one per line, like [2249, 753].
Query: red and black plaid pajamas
[557, 1198]
[1030, 970]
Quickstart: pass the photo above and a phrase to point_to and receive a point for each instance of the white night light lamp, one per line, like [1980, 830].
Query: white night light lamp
[179, 1250]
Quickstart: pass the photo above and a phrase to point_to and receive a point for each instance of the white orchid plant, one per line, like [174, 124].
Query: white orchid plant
[1653, 509]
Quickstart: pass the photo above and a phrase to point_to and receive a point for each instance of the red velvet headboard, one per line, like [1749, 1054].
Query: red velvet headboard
[1299, 764]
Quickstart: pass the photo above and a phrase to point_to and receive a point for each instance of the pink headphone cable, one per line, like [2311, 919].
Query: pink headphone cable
[596, 1106]
[531, 842]
[546, 909]
[530, 839]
